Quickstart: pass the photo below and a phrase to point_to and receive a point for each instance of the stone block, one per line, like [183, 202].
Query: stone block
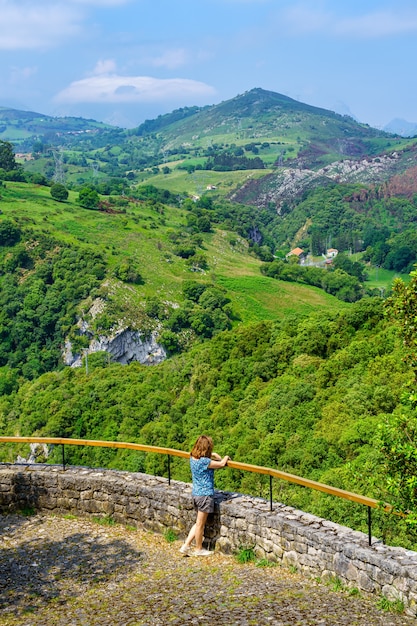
[290, 558]
[88, 506]
[71, 493]
[403, 584]
[86, 494]
[365, 583]
[412, 603]
[300, 546]
[7, 498]
[46, 502]
[392, 593]
[286, 544]
[265, 544]
[101, 495]
[344, 568]
[308, 563]
[327, 575]
[378, 574]
[71, 481]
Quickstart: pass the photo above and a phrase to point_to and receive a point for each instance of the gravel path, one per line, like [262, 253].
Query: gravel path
[58, 571]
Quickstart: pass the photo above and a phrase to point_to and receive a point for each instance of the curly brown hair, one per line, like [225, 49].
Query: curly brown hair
[202, 447]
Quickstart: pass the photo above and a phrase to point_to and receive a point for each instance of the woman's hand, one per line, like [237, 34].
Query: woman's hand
[217, 464]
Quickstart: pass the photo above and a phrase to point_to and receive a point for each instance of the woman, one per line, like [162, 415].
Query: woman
[203, 462]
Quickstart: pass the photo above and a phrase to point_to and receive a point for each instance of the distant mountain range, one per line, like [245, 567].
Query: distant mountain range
[402, 127]
[256, 112]
[274, 128]
[23, 126]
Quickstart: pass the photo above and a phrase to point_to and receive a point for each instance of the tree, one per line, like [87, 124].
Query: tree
[7, 159]
[398, 432]
[193, 290]
[397, 440]
[184, 251]
[203, 224]
[127, 272]
[402, 307]
[170, 341]
[197, 262]
[88, 198]
[213, 298]
[59, 192]
[9, 233]
[354, 268]
[400, 258]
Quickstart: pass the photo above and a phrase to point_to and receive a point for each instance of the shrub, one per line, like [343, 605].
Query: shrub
[9, 233]
[59, 192]
[88, 198]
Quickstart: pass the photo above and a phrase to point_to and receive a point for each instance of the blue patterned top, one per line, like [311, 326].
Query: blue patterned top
[203, 477]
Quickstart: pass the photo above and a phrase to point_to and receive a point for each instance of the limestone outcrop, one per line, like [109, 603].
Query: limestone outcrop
[123, 346]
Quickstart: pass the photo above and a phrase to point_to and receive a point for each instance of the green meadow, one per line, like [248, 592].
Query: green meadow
[143, 235]
[180, 181]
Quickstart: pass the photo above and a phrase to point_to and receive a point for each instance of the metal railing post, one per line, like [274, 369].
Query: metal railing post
[369, 526]
[169, 469]
[63, 457]
[270, 492]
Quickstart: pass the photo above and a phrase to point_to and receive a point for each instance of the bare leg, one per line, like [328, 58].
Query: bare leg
[190, 536]
[199, 529]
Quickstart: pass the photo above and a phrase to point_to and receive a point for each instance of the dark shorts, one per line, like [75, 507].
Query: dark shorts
[204, 503]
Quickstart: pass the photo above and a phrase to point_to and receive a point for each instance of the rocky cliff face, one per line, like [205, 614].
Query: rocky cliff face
[289, 183]
[124, 346]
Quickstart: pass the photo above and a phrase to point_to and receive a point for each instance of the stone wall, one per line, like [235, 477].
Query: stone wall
[316, 546]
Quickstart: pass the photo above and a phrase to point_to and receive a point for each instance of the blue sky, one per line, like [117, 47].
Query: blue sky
[124, 61]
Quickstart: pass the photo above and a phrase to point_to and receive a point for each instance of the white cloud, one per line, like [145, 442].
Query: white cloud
[105, 66]
[25, 26]
[112, 88]
[383, 23]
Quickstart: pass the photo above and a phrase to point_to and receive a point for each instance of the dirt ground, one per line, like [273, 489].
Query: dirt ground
[64, 571]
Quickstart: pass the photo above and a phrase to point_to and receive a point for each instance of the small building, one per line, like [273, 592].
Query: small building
[331, 253]
[298, 252]
[24, 156]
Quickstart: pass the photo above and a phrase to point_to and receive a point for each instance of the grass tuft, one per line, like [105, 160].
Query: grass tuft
[27, 511]
[265, 563]
[107, 520]
[245, 555]
[390, 606]
[170, 535]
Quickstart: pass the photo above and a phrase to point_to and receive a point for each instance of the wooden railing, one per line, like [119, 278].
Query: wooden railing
[370, 503]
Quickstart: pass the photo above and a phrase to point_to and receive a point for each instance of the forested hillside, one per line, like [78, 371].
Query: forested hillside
[308, 395]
